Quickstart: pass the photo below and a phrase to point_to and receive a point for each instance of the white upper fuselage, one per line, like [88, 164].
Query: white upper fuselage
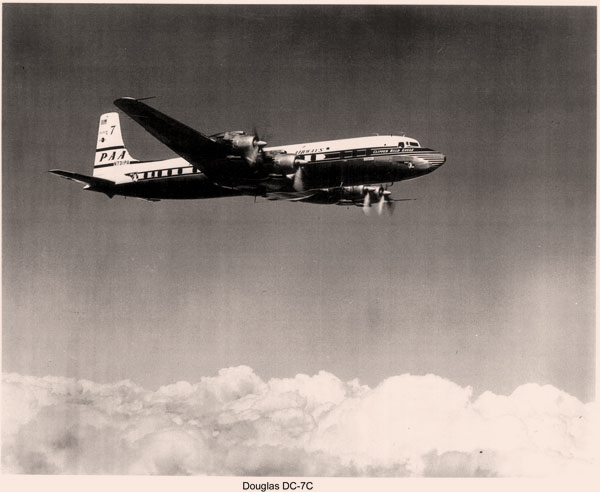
[145, 169]
[373, 141]
[309, 151]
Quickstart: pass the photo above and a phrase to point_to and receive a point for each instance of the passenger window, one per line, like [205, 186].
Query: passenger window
[348, 153]
[361, 153]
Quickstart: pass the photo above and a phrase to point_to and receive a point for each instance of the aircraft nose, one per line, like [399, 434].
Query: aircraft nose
[429, 161]
[437, 160]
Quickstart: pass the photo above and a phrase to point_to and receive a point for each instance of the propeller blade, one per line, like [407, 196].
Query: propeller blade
[391, 206]
[367, 204]
[380, 205]
[257, 140]
[299, 180]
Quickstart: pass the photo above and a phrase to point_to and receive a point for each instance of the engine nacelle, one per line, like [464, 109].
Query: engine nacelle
[368, 195]
[285, 163]
[241, 145]
[244, 144]
[373, 191]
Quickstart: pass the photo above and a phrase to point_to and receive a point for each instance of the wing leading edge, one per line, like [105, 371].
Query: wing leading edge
[195, 147]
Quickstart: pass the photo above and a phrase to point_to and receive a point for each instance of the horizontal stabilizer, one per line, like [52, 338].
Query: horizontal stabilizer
[92, 183]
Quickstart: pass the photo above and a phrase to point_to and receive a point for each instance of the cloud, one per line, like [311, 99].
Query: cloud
[237, 424]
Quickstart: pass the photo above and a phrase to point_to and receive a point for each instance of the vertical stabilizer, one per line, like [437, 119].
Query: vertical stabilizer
[110, 149]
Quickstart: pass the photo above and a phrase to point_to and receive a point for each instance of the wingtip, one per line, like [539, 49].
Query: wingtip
[126, 100]
[121, 100]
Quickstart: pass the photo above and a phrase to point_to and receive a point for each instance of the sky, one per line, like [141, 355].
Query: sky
[486, 279]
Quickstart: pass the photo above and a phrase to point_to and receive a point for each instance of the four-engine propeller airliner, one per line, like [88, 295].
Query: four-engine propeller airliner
[352, 171]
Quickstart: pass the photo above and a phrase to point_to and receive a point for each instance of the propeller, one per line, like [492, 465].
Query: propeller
[385, 202]
[381, 204]
[257, 140]
[299, 180]
[367, 204]
[260, 158]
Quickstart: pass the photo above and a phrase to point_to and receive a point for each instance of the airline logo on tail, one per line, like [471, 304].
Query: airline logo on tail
[114, 159]
[110, 149]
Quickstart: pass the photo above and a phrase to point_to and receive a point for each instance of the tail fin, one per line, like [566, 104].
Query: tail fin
[110, 149]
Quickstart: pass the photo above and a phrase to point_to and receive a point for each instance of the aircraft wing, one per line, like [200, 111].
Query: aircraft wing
[196, 148]
[339, 196]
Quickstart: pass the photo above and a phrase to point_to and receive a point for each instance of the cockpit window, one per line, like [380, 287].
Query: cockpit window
[401, 145]
[414, 144]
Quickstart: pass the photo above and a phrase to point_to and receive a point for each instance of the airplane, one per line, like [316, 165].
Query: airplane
[351, 171]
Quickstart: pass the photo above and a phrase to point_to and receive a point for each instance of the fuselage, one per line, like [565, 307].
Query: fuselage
[377, 159]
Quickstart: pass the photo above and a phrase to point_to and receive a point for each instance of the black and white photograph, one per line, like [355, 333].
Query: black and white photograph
[287, 243]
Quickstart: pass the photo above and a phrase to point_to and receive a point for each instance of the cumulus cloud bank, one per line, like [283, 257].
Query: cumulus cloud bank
[238, 424]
